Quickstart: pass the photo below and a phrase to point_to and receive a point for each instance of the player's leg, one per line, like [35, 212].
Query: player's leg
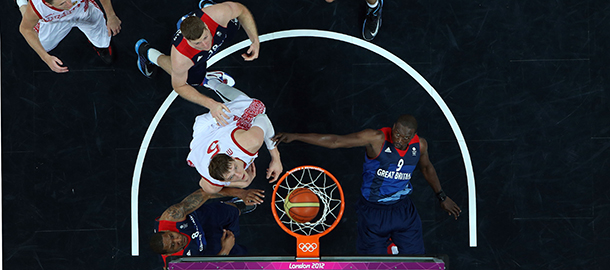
[50, 34]
[372, 21]
[96, 31]
[407, 234]
[150, 58]
[163, 61]
[372, 233]
[222, 84]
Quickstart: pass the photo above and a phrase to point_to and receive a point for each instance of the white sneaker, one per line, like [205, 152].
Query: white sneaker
[220, 76]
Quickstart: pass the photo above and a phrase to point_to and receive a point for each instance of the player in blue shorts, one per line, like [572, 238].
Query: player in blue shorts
[384, 210]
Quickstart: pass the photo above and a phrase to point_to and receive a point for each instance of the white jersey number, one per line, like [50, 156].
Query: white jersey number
[400, 163]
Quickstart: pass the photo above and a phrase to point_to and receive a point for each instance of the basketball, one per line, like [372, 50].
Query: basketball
[302, 205]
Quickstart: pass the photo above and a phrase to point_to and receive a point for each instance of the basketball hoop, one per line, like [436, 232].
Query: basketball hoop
[328, 190]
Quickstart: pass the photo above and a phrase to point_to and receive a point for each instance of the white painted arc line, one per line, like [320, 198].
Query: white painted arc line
[335, 36]
[135, 184]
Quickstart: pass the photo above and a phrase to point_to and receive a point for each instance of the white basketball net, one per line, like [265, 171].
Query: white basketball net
[323, 186]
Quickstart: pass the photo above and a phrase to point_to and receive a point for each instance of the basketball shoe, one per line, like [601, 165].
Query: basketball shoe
[213, 77]
[372, 21]
[239, 203]
[144, 65]
[105, 54]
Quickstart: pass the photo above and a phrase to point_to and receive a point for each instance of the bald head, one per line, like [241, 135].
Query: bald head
[408, 121]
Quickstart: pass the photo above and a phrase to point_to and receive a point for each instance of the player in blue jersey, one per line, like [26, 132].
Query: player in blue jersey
[384, 210]
[201, 34]
[192, 228]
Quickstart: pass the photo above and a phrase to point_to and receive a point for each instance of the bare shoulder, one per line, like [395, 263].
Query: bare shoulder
[423, 145]
[223, 12]
[208, 187]
[173, 213]
[29, 17]
[251, 139]
[179, 61]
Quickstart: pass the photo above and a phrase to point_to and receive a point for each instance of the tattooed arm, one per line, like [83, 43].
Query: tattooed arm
[178, 212]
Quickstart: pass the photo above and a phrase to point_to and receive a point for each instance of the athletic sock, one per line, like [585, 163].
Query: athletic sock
[227, 93]
[153, 55]
[373, 6]
[213, 83]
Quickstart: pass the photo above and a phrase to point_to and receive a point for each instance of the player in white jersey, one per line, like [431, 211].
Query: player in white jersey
[230, 150]
[46, 22]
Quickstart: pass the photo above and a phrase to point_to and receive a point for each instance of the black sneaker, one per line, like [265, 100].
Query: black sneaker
[243, 208]
[106, 54]
[144, 65]
[372, 21]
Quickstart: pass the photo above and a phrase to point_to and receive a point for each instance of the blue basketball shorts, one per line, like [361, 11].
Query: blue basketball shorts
[377, 223]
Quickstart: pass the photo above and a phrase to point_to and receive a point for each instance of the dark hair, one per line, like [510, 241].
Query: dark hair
[156, 243]
[219, 166]
[192, 27]
[407, 120]
[50, 2]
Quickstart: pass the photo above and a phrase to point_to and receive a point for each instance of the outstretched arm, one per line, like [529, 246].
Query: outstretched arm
[371, 139]
[247, 21]
[222, 13]
[249, 196]
[179, 211]
[431, 177]
[29, 20]
[113, 24]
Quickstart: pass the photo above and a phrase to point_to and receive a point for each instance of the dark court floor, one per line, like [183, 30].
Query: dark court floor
[527, 82]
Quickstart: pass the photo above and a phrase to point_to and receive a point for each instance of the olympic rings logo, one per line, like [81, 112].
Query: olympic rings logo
[308, 247]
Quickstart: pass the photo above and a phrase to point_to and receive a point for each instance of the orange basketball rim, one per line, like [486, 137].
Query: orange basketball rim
[331, 197]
